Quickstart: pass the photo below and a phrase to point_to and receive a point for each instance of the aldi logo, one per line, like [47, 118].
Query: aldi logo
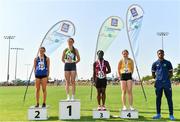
[134, 12]
[65, 27]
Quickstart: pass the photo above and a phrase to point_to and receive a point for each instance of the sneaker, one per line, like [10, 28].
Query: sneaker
[37, 105]
[131, 108]
[171, 117]
[68, 98]
[99, 108]
[72, 98]
[157, 116]
[43, 105]
[124, 108]
[103, 108]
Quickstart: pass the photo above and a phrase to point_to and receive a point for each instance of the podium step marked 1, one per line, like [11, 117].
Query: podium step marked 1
[69, 109]
[38, 113]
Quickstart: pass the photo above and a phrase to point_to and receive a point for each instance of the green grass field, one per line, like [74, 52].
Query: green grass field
[12, 108]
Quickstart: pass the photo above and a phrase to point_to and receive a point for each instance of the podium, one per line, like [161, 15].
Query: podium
[101, 114]
[69, 109]
[129, 114]
[38, 113]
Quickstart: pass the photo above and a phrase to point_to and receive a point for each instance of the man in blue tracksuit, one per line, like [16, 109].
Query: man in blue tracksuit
[162, 71]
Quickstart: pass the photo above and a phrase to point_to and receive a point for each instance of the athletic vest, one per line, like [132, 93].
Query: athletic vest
[127, 66]
[41, 67]
[70, 55]
[101, 69]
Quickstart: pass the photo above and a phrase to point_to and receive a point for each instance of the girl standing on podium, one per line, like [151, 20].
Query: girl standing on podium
[101, 67]
[125, 71]
[41, 69]
[70, 58]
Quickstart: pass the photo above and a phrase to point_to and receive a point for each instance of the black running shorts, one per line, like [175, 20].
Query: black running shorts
[126, 76]
[41, 77]
[101, 83]
[70, 67]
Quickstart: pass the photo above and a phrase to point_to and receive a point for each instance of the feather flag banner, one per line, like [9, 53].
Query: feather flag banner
[134, 22]
[59, 33]
[54, 37]
[108, 32]
[134, 19]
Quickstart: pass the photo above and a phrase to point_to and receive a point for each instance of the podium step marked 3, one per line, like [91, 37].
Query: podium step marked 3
[101, 114]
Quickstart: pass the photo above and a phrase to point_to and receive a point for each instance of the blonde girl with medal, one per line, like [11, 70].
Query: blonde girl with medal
[125, 71]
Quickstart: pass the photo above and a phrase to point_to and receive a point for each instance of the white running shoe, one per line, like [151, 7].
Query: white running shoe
[68, 98]
[131, 108]
[99, 108]
[124, 108]
[103, 108]
[72, 98]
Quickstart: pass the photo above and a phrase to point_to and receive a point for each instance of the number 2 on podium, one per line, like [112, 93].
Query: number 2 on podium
[70, 109]
[37, 115]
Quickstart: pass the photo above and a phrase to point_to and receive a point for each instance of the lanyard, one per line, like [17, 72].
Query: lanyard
[101, 66]
[126, 65]
[41, 60]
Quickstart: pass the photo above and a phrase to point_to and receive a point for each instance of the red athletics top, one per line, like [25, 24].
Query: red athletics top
[101, 68]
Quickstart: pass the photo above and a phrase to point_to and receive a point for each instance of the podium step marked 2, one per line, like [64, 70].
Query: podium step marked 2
[37, 113]
[69, 109]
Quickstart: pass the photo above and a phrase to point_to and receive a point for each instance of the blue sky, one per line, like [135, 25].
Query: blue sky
[29, 20]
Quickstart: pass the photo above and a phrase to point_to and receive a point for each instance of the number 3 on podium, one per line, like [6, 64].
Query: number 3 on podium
[101, 115]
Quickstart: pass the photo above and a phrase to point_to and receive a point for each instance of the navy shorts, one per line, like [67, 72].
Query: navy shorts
[101, 83]
[41, 77]
[70, 67]
[126, 76]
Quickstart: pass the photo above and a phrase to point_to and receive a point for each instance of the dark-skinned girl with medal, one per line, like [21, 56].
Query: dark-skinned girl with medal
[101, 68]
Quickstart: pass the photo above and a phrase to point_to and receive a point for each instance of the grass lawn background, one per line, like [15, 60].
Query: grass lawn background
[12, 108]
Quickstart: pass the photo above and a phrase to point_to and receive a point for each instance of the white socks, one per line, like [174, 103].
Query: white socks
[131, 108]
[68, 97]
[72, 98]
[124, 108]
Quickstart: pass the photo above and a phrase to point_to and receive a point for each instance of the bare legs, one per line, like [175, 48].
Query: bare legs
[41, 82]
[126, 87]
[70, 78]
